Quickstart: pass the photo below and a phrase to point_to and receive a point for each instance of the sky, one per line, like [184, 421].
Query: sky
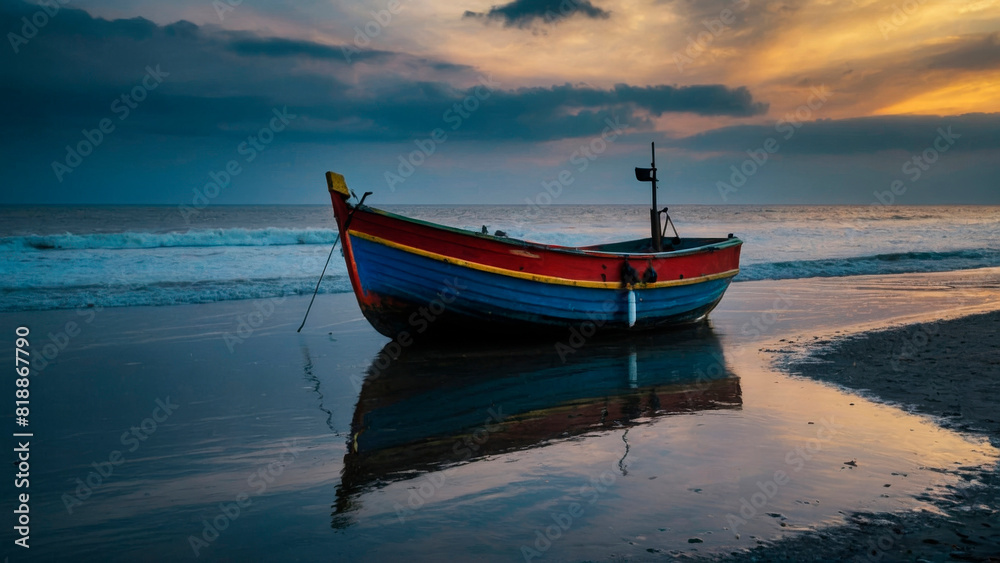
[198, 102]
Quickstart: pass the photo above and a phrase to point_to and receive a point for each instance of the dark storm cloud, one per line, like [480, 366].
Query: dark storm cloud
[524, 13]
[224, 83]
[531, 113]
[863, 135]
[702, 100]
[254, 46]
[278, 47]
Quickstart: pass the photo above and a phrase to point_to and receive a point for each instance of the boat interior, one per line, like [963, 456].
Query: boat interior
[646, 245]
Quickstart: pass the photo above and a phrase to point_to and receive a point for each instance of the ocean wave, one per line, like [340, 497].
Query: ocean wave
[908, 217]
[194, 238]
[163, 294]
[890, 263]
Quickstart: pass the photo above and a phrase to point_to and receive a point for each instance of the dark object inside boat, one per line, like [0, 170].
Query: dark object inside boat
[646, 245]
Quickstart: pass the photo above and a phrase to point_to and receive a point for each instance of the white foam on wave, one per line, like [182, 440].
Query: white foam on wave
[193, 238]
[160, 294]
[893, 263]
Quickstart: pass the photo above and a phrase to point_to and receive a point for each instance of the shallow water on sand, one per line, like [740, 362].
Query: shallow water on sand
[286, 446]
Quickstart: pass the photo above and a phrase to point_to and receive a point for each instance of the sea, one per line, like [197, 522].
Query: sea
[121, 256]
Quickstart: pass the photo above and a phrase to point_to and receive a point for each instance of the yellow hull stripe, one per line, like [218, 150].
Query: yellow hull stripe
[538, 277]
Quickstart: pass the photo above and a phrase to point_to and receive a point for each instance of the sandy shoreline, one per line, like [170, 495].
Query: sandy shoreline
[949, 370]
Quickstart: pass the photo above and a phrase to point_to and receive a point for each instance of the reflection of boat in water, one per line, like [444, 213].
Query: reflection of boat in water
[432, 408]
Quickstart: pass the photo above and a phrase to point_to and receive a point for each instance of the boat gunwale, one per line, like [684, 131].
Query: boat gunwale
[574, 250]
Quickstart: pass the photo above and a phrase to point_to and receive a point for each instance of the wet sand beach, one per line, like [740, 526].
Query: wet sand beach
[216, 432]
[947, 370]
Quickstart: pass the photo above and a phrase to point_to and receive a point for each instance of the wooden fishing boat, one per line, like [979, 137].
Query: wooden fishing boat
[411, 276]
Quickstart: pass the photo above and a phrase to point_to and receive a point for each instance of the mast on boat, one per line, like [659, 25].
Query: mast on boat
[649, 175]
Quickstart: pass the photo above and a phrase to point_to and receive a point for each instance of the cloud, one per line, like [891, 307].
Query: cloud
[222, 83]
[280, 47]
[575, 111]
[863, 135]
[700, 100]
[358, 107]
[276, 47]
[525, 13]
[975, 52]
[945, 76]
